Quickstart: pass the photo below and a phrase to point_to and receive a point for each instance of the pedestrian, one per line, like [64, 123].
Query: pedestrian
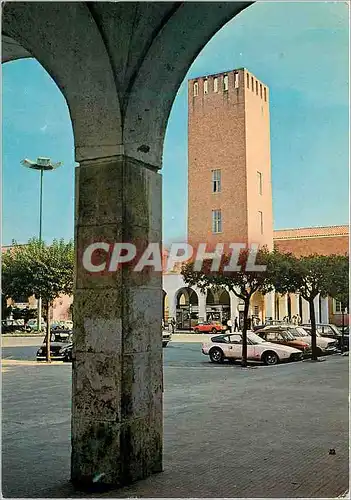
[173, 324]
[229, 325]
[236, 324]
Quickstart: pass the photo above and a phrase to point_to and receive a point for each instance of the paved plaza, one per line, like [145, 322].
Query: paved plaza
[228, 432]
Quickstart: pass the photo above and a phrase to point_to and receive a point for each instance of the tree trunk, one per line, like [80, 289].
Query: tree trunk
[244, 332]
[48, 354]
[313, 331]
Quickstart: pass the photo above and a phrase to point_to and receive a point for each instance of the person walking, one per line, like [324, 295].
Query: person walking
[229, 325]
[236, 324]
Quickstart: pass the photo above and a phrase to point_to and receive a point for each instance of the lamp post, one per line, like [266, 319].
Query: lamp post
[42, 164]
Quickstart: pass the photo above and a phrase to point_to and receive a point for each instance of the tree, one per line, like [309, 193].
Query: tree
[243, 282]
[339, 285]
[41, 270]
[307, 275]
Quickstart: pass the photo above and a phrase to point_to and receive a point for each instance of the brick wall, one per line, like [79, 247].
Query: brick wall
[326, 245]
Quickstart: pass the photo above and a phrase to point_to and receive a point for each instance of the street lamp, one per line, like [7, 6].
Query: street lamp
[42, 164]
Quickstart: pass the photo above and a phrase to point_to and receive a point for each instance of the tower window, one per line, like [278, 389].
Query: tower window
[265, 94]
[256, 87]
[260, 221]
[247, 80]
[196, 89]
[215, 84]
[261, 90]
[225, 83]
[216, 221]
[216, 181]
[206, 86]
[259, 182]
[252, 84]
[236, 80]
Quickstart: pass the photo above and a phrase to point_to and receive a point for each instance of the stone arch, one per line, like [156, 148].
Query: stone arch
[218, 305]
[77, 61]
[119, 85]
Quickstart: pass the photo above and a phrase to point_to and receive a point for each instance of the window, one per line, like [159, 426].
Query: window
[261, 90]
[235, 339]
[206, 86]
[252, 84]
[215, 84]
[225, 83]
[216, 221]
[236, 80]
[259, 182]
[260, 221]
[265, 94]
[337, 307]
[196, 89]
[256, 87]
[216, 181]
[247, 80]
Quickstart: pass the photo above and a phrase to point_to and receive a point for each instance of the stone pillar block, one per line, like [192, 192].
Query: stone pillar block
[117, 381]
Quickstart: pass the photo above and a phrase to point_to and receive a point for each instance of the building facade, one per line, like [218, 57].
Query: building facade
[230, 200]
[229, 166]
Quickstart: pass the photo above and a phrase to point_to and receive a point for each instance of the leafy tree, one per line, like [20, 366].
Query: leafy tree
[339, 286]
[41, 270]
[307, 275]
[243, 282]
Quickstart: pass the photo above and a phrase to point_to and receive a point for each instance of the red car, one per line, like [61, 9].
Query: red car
[209, 327]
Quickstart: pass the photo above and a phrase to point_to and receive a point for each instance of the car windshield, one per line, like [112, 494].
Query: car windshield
[298, 332]
[255, 339]
[287, 335]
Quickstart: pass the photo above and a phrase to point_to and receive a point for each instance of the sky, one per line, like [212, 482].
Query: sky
[299, 49]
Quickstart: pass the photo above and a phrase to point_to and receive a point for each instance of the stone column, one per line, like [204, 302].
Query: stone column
[269, 305]
[325, 310]
[117, 357]
[316, 308]
[294, 299]
[202, 305]
[283, 306]
[172, 304]
[305, 311]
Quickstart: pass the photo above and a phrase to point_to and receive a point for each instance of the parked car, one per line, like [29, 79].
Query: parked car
[12, 325]
[331, 331]
[325, 345]
[279, 334]
[270, 322]
[32, 325]
[166, 337]
[59, 341]
[229, 347]
[209, 327]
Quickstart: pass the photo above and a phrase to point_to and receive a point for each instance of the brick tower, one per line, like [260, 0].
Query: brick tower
[229, 179]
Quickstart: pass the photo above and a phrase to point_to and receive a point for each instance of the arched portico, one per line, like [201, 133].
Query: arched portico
[187, 308]
[218, 305]
[119, 85]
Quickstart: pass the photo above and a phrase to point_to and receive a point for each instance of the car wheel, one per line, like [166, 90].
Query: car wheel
[270, 358]
[214, 330]
[164, 344]
[216, 355]
[196, 330]
[319, 351]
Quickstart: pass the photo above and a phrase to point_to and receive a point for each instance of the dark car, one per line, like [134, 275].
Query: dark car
[12, 325]
[59, 341]
[331, 331]
[281, 335]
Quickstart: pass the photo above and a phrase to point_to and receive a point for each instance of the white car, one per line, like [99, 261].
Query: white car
[325, 345]
[229, 347]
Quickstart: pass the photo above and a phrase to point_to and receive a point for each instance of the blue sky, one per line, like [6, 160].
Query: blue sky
[299, 49]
